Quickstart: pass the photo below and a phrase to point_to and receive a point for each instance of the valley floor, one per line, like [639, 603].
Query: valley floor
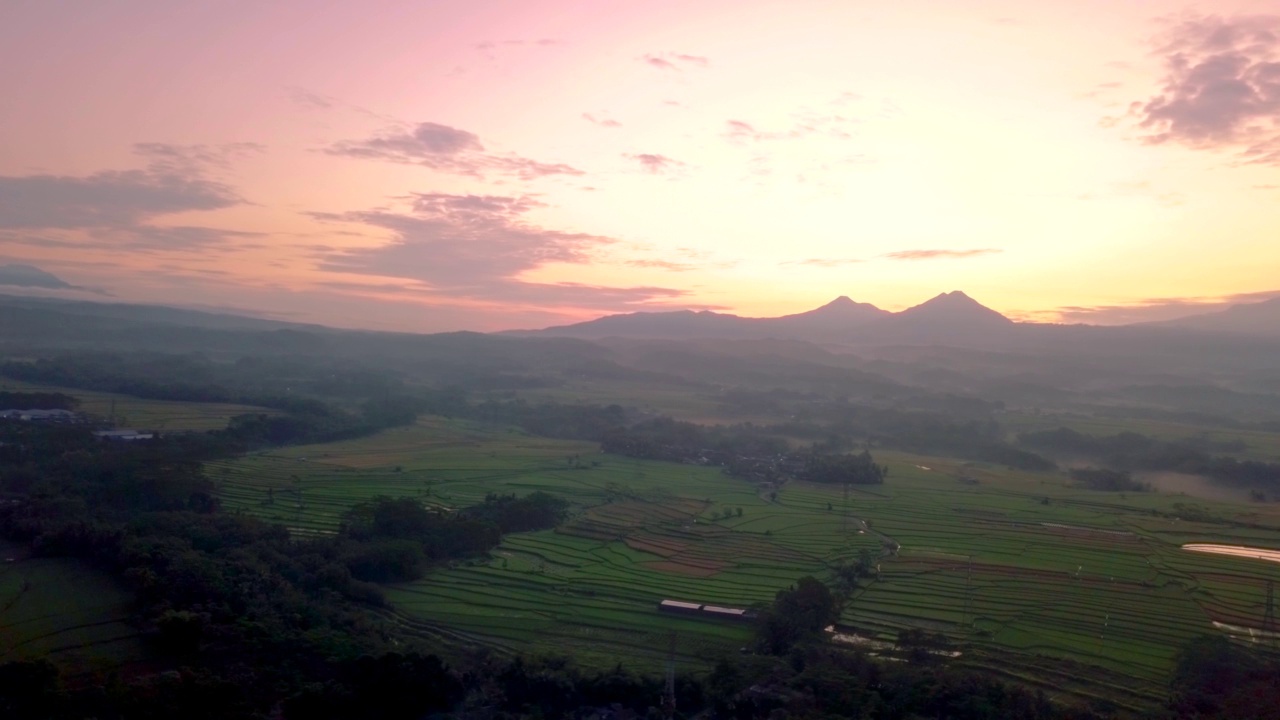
[1087, 593]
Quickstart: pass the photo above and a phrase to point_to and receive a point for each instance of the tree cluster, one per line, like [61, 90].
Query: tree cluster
[664, 438]
[536, 511]
[1108, 480]
[797, 614]
[1130, 451]
[37, 401]
[858, 469]
[394, 539]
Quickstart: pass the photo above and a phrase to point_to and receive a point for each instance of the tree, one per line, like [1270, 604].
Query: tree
[798, 613]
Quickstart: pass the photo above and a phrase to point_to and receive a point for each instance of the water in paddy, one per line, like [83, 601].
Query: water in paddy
[1235, 551]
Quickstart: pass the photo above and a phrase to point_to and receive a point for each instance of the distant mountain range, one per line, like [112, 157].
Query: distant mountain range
[30, 276]
[948, 317]
[1261, 318]
[951, 318]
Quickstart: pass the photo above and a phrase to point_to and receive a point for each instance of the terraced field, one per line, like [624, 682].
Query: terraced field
[447, 464]
[1086, 590]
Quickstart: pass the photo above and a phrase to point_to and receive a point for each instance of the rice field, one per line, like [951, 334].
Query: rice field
[135, 412]
[1082, 588]
[63, 609]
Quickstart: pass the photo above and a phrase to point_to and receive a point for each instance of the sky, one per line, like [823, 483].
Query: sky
[496, 164]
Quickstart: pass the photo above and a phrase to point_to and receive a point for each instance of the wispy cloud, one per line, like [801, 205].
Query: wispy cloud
[1153, 309]
[477, 247]
[832, 262]
[1221, 88]
[495, 51]
[656, 164]
[195, 159]
[740, 131]
[671, 265]
[695, 263]
[939, 254]
[110, 198]
[601, 121]
[541, 42]
[1136, 189]
[121, 208]
[319, 102]
[804, 123]
[310, 100]
[675, 61]
[827, 262]
[446, 149]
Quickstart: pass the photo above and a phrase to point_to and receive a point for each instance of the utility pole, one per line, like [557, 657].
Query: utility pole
[1269, 615]
[968, 592]
[844, 523]
[1106, 619]
[669, 692]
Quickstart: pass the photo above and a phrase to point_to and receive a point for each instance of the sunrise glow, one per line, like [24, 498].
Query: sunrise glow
[488, 165]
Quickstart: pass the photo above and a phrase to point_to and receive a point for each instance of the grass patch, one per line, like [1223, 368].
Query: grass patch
[64, 610]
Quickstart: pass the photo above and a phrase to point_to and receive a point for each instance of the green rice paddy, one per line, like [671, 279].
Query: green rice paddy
[63, 609]
[1083, 589]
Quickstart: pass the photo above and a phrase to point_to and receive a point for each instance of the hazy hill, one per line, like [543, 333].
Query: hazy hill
[145, 313]
[950, 316]
[19, 275]
[837, 315]
[953, 309]
[1252, 319]
[672, 325]
[948, 344]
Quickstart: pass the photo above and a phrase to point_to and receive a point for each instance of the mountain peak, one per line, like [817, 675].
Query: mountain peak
[842, 309]
[840, 304]
[955, 297]
[954, 307]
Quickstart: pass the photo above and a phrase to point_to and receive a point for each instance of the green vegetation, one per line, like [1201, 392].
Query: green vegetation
[797, 614]
[1091, 587]
[1108, 480]
[63, 609]
[36, 401]
[130, 411]
[343, 527]
[1253, 441]
[1132, 451]
[835, 469]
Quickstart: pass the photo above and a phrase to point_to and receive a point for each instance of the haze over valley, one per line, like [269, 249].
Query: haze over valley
[591, 360]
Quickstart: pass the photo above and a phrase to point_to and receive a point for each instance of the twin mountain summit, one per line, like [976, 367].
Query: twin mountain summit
[949, 318]
[952, 318]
